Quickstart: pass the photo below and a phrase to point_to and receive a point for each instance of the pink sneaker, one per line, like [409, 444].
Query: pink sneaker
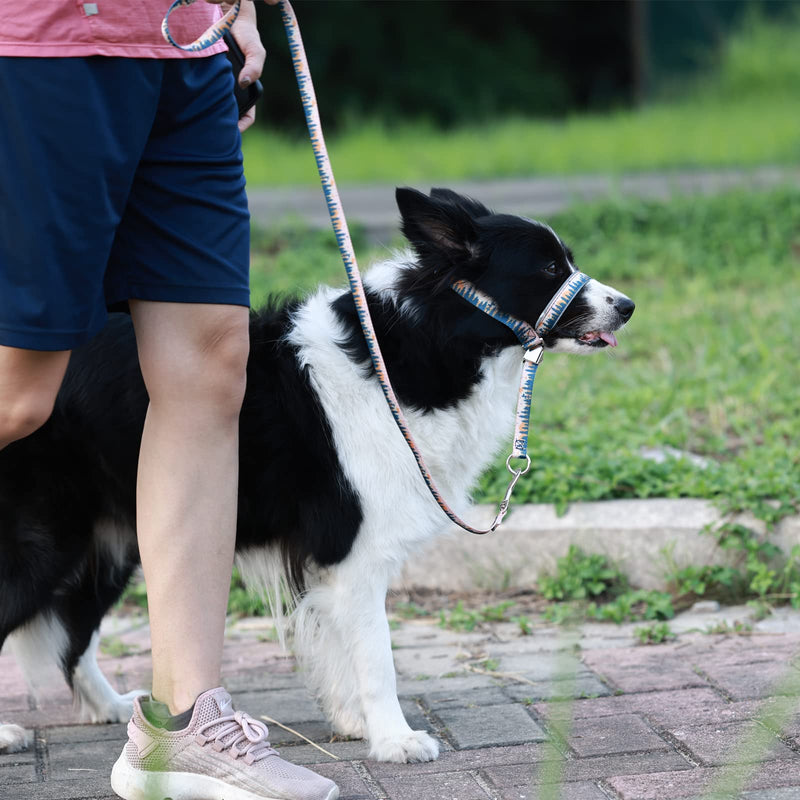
[220, 755]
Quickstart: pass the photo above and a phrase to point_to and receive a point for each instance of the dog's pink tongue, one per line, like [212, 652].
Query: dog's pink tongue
[609, 338]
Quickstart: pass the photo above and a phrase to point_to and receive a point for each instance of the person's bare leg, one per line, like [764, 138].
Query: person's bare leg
[29, 383]
[193, 359]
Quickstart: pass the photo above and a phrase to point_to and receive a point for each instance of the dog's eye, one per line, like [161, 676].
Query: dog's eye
[551, 269]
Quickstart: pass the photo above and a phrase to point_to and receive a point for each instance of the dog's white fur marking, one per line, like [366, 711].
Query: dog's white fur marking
[601, 298]
[114, 538]
[262, 571]
[37, 648]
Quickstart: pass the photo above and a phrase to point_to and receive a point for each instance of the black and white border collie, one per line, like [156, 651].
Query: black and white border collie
[330, 499]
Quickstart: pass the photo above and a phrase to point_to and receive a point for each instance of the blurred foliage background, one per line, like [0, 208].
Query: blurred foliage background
[437, 90]
[455, 62]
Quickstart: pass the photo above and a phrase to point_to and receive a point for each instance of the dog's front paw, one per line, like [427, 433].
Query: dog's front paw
[13, 739]
[413, 746]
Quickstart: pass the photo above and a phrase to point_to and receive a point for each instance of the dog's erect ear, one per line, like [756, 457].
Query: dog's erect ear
[472, 207]
[438, 226]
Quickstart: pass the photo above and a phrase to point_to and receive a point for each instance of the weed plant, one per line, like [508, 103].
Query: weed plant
[589, 586]
[757, 572]
[657, 633]
[463, 619]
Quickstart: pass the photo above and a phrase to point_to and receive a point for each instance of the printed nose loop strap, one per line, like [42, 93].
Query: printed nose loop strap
[529, 336]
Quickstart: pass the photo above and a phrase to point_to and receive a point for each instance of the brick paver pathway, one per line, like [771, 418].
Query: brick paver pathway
[646, 723]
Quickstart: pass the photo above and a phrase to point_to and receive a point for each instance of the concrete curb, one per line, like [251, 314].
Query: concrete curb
[633, 533]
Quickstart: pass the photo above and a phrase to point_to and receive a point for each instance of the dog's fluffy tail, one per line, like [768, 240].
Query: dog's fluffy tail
[264, 572]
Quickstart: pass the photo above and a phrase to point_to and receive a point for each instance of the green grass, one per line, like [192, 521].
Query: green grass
[683, 135]
[708, 364]
[743, 113]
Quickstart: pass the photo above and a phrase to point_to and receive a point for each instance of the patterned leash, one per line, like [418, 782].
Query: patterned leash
[529, 336]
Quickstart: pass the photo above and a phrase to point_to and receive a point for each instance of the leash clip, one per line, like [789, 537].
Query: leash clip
[505, 503]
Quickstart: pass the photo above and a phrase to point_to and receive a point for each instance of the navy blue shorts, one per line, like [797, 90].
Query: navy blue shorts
[121, 178]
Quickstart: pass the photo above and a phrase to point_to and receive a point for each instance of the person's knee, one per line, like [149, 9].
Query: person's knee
[208, 371]
[223, 358]
[29, 383]
[23, 416]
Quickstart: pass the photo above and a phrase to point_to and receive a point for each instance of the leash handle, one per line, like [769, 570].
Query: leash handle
[211, 36]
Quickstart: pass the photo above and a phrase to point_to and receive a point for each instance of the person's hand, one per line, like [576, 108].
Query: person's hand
[245, 32]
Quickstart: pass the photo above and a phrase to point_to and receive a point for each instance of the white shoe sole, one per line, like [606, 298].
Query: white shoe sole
[137, 784]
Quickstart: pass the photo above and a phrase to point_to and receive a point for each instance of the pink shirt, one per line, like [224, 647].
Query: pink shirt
[130, 28]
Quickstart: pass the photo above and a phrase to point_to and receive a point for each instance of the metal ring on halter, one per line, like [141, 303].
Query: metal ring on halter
[520, 471]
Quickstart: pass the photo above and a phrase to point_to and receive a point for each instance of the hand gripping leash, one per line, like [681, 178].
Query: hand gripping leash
[530, 336]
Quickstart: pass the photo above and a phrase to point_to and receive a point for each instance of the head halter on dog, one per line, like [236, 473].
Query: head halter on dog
[530, 337]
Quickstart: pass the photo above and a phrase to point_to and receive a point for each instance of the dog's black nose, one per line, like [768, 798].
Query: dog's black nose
[625, 306]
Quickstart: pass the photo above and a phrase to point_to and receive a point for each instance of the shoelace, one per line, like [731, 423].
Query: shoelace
[236, 729]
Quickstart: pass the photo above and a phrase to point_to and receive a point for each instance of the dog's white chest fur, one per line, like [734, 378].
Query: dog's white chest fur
[457, 443]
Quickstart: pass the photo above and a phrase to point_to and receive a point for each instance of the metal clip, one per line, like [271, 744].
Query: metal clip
[534, 355]
[506, 501]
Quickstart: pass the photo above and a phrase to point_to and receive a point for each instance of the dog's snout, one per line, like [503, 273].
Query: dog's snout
[624, 307]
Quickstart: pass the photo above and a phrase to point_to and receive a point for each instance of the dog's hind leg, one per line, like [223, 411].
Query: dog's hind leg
[80, 607]
[353, 602]
[13, 738]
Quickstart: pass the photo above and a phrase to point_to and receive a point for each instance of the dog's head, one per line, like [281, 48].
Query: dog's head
[520, 263]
